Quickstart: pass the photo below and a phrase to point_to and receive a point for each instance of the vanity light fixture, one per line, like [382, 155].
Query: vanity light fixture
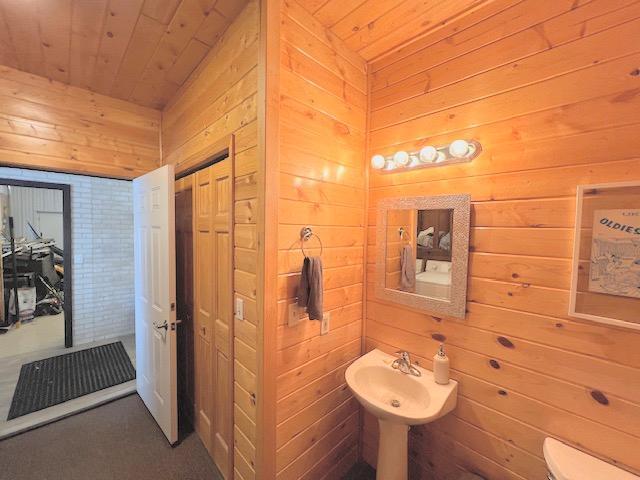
[428, 154]
[457, 151]
[401, 158]
[459, 148]
[378, 162]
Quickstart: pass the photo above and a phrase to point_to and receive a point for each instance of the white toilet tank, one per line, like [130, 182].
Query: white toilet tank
[567, 463]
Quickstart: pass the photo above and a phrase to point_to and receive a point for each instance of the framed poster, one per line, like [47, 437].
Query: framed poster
[605, 283]
[615, 253]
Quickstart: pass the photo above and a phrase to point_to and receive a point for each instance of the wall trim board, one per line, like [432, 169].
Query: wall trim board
[365, 253]
[268, 194]
[75, 174]
[204, 159]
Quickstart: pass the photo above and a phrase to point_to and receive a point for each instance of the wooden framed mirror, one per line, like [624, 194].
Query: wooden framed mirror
[422, 252]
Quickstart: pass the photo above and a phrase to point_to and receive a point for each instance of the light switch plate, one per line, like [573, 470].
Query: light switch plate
[294, 314]
[326, 324]
[239, 308]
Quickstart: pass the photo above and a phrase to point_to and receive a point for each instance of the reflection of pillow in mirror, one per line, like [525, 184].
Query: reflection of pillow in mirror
[438, 266]
[445, 241]
[432, 266]
[425, 237]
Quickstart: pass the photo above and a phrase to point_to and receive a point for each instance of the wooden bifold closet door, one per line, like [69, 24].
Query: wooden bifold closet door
[213, 261]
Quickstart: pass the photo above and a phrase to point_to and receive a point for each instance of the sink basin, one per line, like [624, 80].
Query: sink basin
[392, 395]
[398, 400]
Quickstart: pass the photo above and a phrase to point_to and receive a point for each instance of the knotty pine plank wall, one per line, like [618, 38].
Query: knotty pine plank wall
[48, 125]
[218, 100]
[322, 184]
[551, 90]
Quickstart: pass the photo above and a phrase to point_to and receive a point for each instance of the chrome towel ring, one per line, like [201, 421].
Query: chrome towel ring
[305, 235]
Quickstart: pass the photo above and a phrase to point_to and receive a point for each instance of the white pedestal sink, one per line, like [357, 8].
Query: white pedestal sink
[398, 400]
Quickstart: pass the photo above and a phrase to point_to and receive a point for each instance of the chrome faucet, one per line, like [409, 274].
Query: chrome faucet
[404, 365]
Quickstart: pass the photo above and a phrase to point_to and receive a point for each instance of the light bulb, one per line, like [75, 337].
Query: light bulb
[378, 162]
[428, 154]
[459, 148]
[401, 158]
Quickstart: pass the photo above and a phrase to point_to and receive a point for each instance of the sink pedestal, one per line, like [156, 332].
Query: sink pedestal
[392, 451]
[397, 400]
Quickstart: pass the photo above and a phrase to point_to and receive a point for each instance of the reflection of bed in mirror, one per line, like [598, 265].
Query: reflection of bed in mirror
[434, 280]
[433, 236]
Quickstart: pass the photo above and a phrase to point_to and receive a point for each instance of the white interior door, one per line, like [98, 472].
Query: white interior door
[155, 296]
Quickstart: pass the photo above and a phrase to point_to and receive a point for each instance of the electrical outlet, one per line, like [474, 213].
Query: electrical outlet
[239, 308]
[326, 324]
[294, 314]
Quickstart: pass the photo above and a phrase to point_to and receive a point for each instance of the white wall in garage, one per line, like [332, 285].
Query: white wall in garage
[102, 242]
[29, 205]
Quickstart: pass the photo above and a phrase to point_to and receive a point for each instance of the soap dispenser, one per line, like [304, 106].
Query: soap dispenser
[441, 366]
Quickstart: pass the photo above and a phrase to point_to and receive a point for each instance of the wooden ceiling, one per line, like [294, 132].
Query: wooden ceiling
[375, 27]
[136, 50]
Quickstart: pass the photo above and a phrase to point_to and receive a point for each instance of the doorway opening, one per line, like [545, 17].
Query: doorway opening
[36, 312]
[204, 298]
[48, 349]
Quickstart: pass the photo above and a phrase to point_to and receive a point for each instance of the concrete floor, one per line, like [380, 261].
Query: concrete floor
[10, 372]
[42, 333]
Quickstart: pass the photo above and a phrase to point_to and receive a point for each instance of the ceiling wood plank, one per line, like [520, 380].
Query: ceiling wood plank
[154, 93]
[229, 8]
[212, 28]
[135, 50]
[142, 46]
[7, 53]
[294, 11]
[54, 18]
[143, 50]
[187, 62]
[22, 24]
[393, 41]
[122, 16]
[364, 17]
[312, 6]
[160, 10]
[182, 28]
[374, 28]
[87, 19]
[463, 21]
[405, 23]
[335, 10]
[184, 25]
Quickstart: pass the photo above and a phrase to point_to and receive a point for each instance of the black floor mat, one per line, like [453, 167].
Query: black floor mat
[55, 380]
